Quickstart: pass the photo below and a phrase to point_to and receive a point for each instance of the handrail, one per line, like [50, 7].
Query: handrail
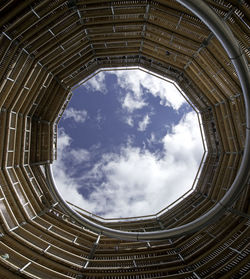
[235, 53]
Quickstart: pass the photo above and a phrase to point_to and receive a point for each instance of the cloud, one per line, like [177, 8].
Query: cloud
[79, 155]
[97, 83]
[100, 118]
[131, 102]
[136, 80]
[152, 139]
[185, 143]
[129, 120]
[142, 125]
[79, 116]
[135, 181]
[64, 177]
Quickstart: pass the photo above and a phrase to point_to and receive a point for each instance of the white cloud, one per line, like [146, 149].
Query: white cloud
[135, 80]
[79, 116]
[184, 143]
[100, 118]
[65, 180]
[79, 155]
[129, 120]
[136, 181]
[142, 125]
[97, 83]
[131, 102]
[152, 139]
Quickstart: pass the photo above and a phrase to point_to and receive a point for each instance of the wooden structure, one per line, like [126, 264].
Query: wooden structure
[47, 48]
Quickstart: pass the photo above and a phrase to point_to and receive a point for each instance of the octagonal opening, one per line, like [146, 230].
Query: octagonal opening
[129, 144]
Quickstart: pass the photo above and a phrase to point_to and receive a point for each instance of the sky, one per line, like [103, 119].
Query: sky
[128, 145]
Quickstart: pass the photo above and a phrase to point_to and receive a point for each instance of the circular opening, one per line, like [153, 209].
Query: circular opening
[129, 144]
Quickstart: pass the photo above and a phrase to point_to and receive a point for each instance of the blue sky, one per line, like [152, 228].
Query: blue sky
[128, 145]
